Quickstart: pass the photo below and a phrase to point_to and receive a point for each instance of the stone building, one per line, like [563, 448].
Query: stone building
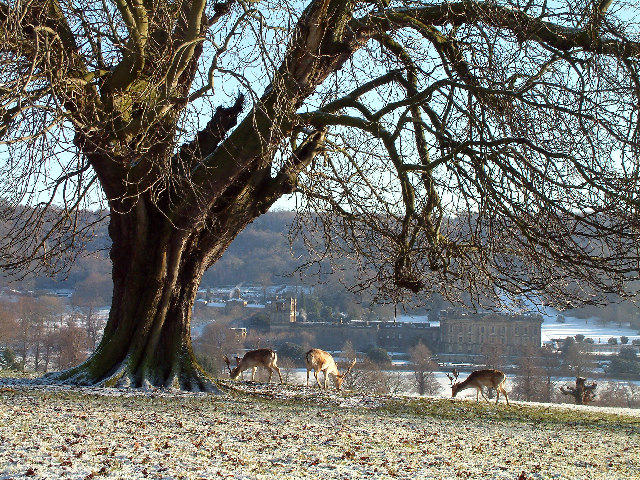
[464, 337]
[281, 310]
[401, 336]
[331, 335]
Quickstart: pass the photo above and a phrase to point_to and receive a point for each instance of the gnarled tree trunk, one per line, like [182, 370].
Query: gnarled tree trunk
[157, 269]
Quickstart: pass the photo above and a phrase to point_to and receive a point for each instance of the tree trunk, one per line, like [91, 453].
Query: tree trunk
[157, 269]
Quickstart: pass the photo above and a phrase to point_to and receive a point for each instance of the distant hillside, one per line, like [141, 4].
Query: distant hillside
[261, 254]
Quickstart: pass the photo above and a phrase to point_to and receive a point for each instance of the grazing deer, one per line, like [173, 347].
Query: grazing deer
[481, 378]
[263, 357]
[321, 361]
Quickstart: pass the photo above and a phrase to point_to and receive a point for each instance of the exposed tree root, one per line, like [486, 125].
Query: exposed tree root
[189, 378]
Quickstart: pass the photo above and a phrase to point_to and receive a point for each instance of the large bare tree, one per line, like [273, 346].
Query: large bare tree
[481, 147]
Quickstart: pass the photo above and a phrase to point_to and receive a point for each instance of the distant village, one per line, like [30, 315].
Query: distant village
[454, 335]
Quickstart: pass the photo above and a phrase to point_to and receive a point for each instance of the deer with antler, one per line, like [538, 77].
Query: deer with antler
[321, 361]
[489, 378]
[263, 357]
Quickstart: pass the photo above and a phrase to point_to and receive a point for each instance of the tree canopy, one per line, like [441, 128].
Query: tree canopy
[481, 148]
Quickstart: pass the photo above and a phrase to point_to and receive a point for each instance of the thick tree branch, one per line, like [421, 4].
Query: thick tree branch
[524, 26]
[136, 19]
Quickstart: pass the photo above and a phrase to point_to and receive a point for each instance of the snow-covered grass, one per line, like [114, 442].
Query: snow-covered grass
[259, 431]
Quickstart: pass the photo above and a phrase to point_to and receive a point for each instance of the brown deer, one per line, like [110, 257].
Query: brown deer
[263, 357]
[481, 378]
[321, 361]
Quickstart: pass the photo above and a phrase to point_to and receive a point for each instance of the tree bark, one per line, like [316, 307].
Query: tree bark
[147, 339]
[582, 393]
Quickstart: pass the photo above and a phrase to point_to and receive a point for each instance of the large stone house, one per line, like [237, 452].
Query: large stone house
[467, 336]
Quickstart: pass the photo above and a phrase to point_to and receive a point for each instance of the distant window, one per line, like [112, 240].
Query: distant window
[517, 330]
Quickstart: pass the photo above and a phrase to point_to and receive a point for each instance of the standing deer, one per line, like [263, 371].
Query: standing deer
[321, 361]
[480, 378]
[263, 357]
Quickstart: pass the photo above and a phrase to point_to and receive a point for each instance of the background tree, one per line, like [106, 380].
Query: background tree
[507, 134]
[38, 317]
[216, 341]
[550, 365]
[625, 363]
[582, 393]
[8, 324]
[423, 368]
[71, 343]
[348, 352]
[379, 356]
[493, 356]
[293, 352]
[530, 382]
[577, 361]
[9, 328]
[616, 394]
[371, 377]
[88, 295]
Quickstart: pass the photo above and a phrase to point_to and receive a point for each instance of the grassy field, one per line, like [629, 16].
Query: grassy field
[258, 431]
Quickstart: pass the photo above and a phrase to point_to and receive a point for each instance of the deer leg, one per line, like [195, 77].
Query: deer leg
[253, 373]
[308, 376]
[279, 374]
[504, 392]
[270, 374]
[483, 395]
[316, 375]
[326, 380]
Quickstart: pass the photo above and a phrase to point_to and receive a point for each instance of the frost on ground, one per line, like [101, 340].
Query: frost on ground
[257, 431]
